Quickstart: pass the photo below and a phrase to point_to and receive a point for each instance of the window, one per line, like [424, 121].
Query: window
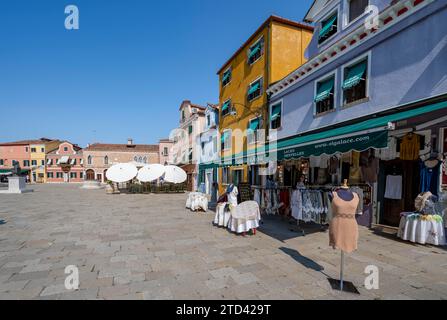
[275, 115]
[208, 120]
[252, 130]
[73, 161]
[33, 150]
[89, 160]
[329, 27]
[2, 162]
[73, 175]
[226, 140]
[144, 159]
[355, 79]
[214, 144]
[26, 149]
[165, 151]
[50, 175]
[140, 159]
[42, 162]
[183, 115]
[59, 175]
[135, 159]
[226, 107]
[25, 163]
[324, 97]
[237, 176]
[81, 175]
[254, 90]
[190, 130]
[356, 8]
[106, 160]
[34, 162]
[202, 144]
[42, 150]
[226, 77]
[190, 154]
[255, 51]
[226, 175]
[65, 149]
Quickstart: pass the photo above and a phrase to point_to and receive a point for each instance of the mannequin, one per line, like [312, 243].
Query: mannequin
[343, 228]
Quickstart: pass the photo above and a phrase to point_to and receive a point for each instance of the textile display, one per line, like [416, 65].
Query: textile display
[429, 171]
[196, 201]
[409, 147]
[244, 217]
[393, 187]
[222, 216]
[423, 229]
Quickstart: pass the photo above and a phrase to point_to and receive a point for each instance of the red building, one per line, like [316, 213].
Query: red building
[65, 164]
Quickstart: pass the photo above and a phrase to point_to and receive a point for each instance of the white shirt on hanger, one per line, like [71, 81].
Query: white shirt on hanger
[393, 188]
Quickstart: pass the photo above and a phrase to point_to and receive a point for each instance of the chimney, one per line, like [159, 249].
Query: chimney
[130, 142]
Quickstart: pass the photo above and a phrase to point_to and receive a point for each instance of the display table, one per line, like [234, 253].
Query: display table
[222, 217]
[423, 229]
[196, 201]
[245, 217]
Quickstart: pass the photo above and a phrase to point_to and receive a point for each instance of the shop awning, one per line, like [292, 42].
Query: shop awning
[49, 161]
[324, 90]
[255, 49]
[327, 26]
[355, 74]
[64, 160]
[371, 133]
[276, 112]
[253, 88]
[254, 124]
[5, 172]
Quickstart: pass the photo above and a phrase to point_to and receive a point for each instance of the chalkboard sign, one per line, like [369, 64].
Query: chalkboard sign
[244, 191]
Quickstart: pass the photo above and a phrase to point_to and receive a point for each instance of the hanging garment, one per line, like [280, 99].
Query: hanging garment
[232, 196]
[359, 192]
[370, 171]
[346, 157]
[393, 187]
[334, 165]
[429, 172]
[322, 176]
[297, 205]
[257, 197]
[409, 147]
[389, 153]
[355, 175]
[343, 229]
[355, 159]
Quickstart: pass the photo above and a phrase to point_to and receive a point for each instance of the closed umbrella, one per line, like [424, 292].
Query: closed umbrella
[174, 174]
[151, 172]
[121, 172]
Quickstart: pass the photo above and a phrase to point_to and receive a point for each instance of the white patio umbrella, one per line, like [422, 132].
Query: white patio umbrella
[174, 174]
[121, 172]
[151, 172]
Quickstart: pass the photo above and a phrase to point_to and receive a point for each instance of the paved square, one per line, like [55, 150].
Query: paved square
[150, 247]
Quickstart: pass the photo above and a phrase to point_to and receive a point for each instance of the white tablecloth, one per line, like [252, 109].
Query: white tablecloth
[222, 218]
[421, 231]
[244, 217]
[196, 201]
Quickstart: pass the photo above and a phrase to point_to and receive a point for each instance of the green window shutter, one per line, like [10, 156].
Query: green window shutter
[355, 75]
[226, 76]
[253, 87]
[190, 129]
[254, 124]
[276, 112]
[226, 105]
[324, 90]
[327, 26]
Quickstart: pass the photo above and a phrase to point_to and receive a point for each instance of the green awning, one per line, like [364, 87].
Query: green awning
[253, 88]
[254, 50]
[327, 26]
[254, 124]
[276, 112]
[5, 171]
[226, 75]
[324, 90]
[342, 139]
[225, 105]
[354, 76]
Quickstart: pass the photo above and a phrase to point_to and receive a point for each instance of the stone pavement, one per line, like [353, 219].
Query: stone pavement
[150, 247]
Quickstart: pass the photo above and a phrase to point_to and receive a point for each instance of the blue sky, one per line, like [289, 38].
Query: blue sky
[126, 70]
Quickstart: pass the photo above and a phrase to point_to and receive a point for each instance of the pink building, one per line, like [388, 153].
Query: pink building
[65, 164]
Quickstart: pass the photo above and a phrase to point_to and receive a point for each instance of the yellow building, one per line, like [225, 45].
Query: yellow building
[272, 52]
[38, 152]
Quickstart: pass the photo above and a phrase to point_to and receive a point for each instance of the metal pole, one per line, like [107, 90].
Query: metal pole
[341, 270]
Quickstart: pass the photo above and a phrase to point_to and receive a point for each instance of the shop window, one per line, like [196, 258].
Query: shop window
[255, 51]
[355, 82]
[329, 27]
[324, 98]
[237, 177]
[356, 8]
[226, 77]
[254, 90]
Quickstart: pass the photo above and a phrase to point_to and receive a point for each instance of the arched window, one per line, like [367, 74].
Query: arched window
[135, 159]
[140, 159]
[145, 160]
[89, 160]
[106, 160]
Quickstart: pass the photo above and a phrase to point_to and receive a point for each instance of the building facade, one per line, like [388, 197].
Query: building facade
[165, 149]
[38, 152]
[209, 156]
[369, 85]
[185, 148]
[65, 164]
[273, 51]
[98, 157]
